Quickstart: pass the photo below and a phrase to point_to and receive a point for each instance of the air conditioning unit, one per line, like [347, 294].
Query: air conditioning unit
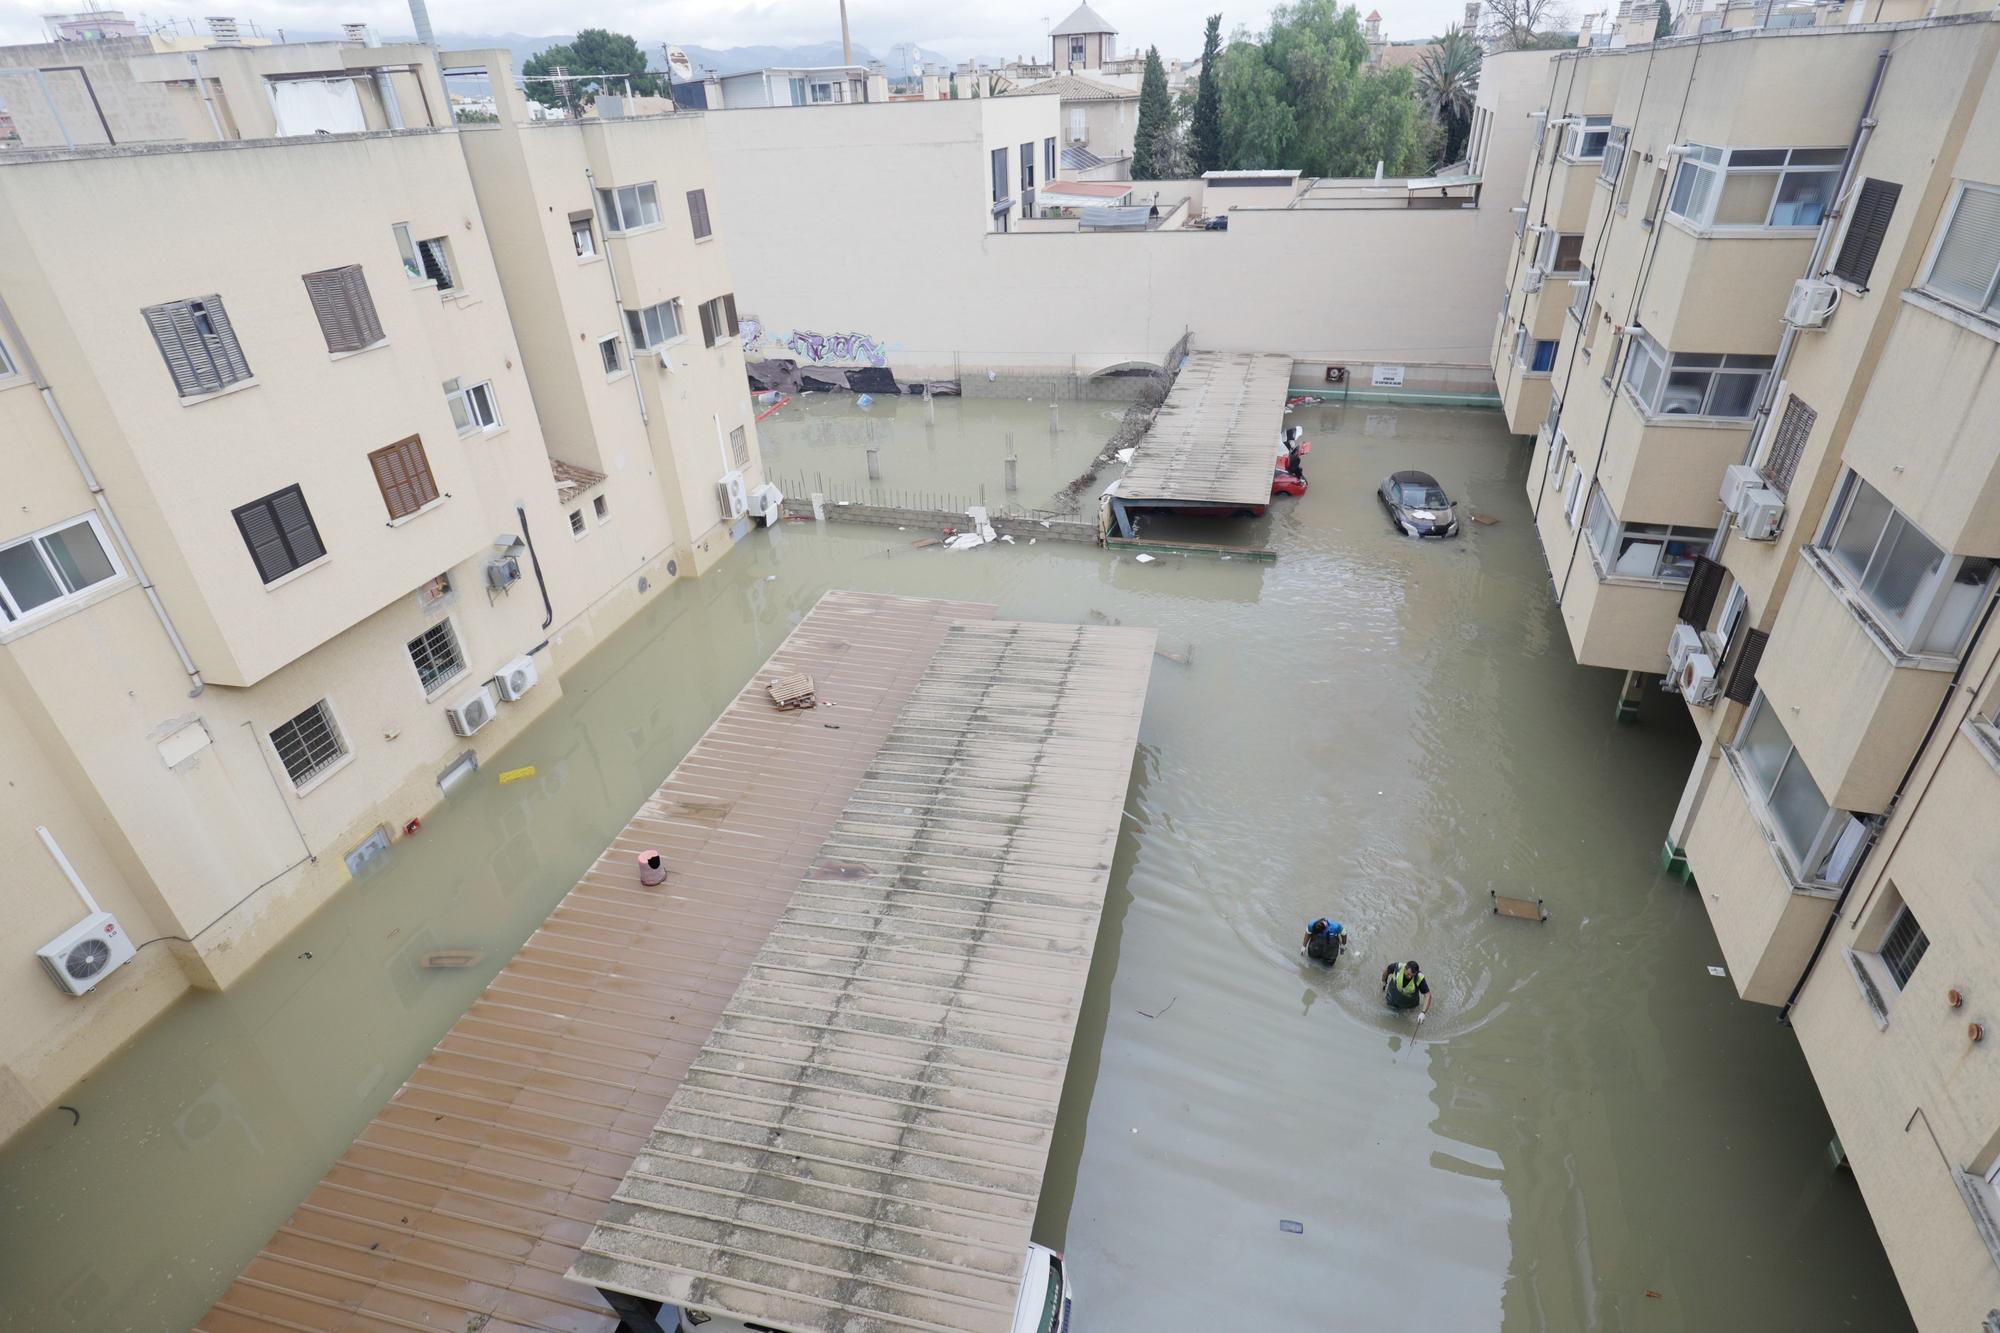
[767, 504]
[516, 678]
[666, 356]
[729, 494]
[1531, 281]
[1736, 479]
[1760, 514]
[86, 953]
[504, 572]
[1685, 643]
[1696, 679]
[472, 712]
[1811, 302]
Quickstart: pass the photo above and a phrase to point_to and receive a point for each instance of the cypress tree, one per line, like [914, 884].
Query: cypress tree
[1206, 130]
[1155, 119]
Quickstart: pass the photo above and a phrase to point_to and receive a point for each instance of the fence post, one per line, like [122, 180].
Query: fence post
[874, 461]
[1012, 463]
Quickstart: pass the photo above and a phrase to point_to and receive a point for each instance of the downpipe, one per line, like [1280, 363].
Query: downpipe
[97, 492]
[535, 562]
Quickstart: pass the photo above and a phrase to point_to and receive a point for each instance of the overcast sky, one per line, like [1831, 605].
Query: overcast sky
[957, 28]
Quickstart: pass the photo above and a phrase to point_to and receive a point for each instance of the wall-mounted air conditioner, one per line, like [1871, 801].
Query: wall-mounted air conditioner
[516, 678]
[1683, 644]
[1811, 303]
[503, 572]
[1760, 514]
[666, 355]
[730, 496]
[767, 504]
[1736, 479]
[1531, 281]
[472, 712]
[1696, 679]
[86, 953]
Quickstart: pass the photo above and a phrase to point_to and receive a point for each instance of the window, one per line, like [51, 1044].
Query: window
[1562, 251]
[999, 174]
[1755, 187]
[309, 744]
[425, 260]
[576, 528]
[797, 87]
[629, 207]
[345, 310]
[199, 345]
[280, 533]
[1587, 139]
[1534, 355]
[413, 263]
[1867, 224]
[1027, 156]
[1819, 843]
[1076, 55]
[822, 92]
[1614, 154]
[1904, 946]
[1966, 267]
[1049, 159]
[7, 370]
[655, 325]
[718, 320]
[1695, 384]
[583, 235]
[1642, 550]
[1579, 300]
[1575, 492]
[1788, 443]
[698, 213]
[608, 352]
[436, 656]
[472, 409]
[739, 447]
[1922, 596]
[45, 569]
[602, 507]
[404, 476]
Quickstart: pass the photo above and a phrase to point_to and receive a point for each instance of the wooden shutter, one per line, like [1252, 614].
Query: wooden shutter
[404, 475]
[1868, 223]
[332, 306]
[1743, 680]
[708, 323]
[698, 212]
[729, 310]
[259, 527]
[228, 357]
[1788, 443]
[181, 346]
[295, 521]
[1698, 602]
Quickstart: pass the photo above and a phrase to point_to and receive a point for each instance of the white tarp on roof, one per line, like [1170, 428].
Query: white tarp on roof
[316, 106]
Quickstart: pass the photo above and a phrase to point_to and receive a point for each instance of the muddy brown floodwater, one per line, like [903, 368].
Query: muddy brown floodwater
[1591, 1133]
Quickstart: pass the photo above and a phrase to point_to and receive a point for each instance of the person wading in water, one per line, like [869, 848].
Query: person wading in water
[1405, 988]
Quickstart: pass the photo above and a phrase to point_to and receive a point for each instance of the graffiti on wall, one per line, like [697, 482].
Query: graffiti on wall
[820, 348]
[751, 329]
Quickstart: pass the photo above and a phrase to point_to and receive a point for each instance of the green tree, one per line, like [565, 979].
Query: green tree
[1156, 118]
[609, 60]
[1258, 127]
[1205, 124]
[1663, 21]
[1447, 79]
[1383, 121]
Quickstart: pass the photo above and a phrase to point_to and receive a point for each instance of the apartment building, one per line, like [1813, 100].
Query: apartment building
[1757, 339]
[330, 450]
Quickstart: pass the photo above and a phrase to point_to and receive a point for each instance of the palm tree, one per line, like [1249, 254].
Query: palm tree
[1447, 78]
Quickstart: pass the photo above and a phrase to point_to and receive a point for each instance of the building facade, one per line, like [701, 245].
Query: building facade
[1757, 340]
[291, 548]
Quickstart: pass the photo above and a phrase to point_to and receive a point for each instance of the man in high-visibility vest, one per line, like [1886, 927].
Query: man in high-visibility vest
[1405, 988]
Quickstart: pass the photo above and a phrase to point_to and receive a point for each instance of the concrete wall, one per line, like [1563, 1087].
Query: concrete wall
[1403, 286]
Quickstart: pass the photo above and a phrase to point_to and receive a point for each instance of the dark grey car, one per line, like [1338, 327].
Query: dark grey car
[1418, 505]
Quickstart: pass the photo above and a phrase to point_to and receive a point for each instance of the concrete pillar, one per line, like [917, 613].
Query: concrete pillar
[1630, 695]
[874, 462]
[1054, 423]
[1013, 461]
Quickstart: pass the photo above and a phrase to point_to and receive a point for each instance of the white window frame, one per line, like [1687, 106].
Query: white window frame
[1545, 259]
[1525, 343]
[474, 408]
[617, 346]
[326, 767]
[1576, 493]
[642, 325]
[583, 236]
[1613, 156]
[578, 529]
[12, 617]
[1823, 851]
[600, 509]
[629, 208]
[1915, 624]
[441, 682]
[8, 369]
[1901, 914]
[1989, 306]
[1576, 139]
[1718, 165]
[406, 244]
[1628, 539]
[1649, 366]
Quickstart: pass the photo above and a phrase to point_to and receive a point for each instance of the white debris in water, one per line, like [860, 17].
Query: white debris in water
[1005, 538]
[964, 541]
[1715, 971]
[1031, 540]
[1125, 455]
[1145, 560]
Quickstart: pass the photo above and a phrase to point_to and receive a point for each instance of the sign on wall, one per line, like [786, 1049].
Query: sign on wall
[1387, 377]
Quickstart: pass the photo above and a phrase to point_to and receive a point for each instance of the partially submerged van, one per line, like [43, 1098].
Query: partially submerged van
[1042, 1307]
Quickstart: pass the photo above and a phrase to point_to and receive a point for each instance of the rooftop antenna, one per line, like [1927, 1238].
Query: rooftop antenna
[846, 46]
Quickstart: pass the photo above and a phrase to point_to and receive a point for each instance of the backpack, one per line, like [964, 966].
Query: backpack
[1323, 946]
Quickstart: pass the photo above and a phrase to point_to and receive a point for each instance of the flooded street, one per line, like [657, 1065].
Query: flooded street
[1592, 1132]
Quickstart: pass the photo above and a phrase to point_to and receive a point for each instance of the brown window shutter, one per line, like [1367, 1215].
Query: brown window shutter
[1788, 444]
[729, 309]
[1874, 205]
[1743, 680]
[1698, 602]
[708, 323]
[403, 474]
[698, 212]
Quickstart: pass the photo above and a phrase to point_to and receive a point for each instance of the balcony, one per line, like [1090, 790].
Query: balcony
[1612, 620]
[1523, 395]
[1668, 467]
[1721, 293]
[1767, 925]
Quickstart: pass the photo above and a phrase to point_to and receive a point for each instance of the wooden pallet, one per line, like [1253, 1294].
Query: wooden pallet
[793, 691]
[1525, 909]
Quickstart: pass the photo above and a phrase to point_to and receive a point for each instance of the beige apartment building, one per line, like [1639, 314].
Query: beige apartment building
[1756, 336]
[335, 434]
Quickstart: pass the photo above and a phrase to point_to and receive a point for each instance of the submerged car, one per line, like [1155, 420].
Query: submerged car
[1418, 505]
